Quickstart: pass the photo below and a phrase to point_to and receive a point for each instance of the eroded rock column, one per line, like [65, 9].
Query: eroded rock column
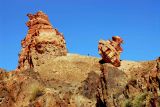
[42, 42]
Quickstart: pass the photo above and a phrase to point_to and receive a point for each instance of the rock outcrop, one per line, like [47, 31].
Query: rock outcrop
[42, 42]
[77, 81]
[48, 76]
[110, 50]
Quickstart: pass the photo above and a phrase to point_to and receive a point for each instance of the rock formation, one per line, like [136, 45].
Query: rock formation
[42, 42]
[48, 76]
[110, 50]
[77, 81]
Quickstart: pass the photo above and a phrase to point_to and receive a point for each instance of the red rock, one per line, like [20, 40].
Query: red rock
[110, 50]
[40, 35]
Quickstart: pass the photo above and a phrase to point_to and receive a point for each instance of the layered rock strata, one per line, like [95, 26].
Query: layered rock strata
[74, 80]
[110, 50]
[41, 43]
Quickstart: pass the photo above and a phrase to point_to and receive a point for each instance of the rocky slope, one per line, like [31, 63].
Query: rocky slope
[51, 77]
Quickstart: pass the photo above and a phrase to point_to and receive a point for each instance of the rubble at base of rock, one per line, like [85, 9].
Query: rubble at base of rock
[41, 39]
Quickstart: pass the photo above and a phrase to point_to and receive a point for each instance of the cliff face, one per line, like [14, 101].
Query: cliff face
[80, 81]
[48, 76]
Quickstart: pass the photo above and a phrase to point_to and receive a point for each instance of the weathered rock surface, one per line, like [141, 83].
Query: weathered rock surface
[110, 50]
[42, 42]
[48, 76]
[78, 81]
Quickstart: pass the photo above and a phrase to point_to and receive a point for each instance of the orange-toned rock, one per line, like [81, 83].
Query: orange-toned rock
[110, 50]
[42, 40]
[74, 80]
[153, 83]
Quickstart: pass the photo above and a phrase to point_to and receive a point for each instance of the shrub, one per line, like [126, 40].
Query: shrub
[139, 100]
[127, 103]
[35, 92]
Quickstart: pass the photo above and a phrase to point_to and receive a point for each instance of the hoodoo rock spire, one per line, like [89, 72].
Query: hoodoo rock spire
[42, 42]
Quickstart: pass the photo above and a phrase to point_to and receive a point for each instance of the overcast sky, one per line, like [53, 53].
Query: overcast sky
[84, 23]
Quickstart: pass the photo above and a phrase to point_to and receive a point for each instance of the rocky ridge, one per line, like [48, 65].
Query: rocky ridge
[48, 76]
